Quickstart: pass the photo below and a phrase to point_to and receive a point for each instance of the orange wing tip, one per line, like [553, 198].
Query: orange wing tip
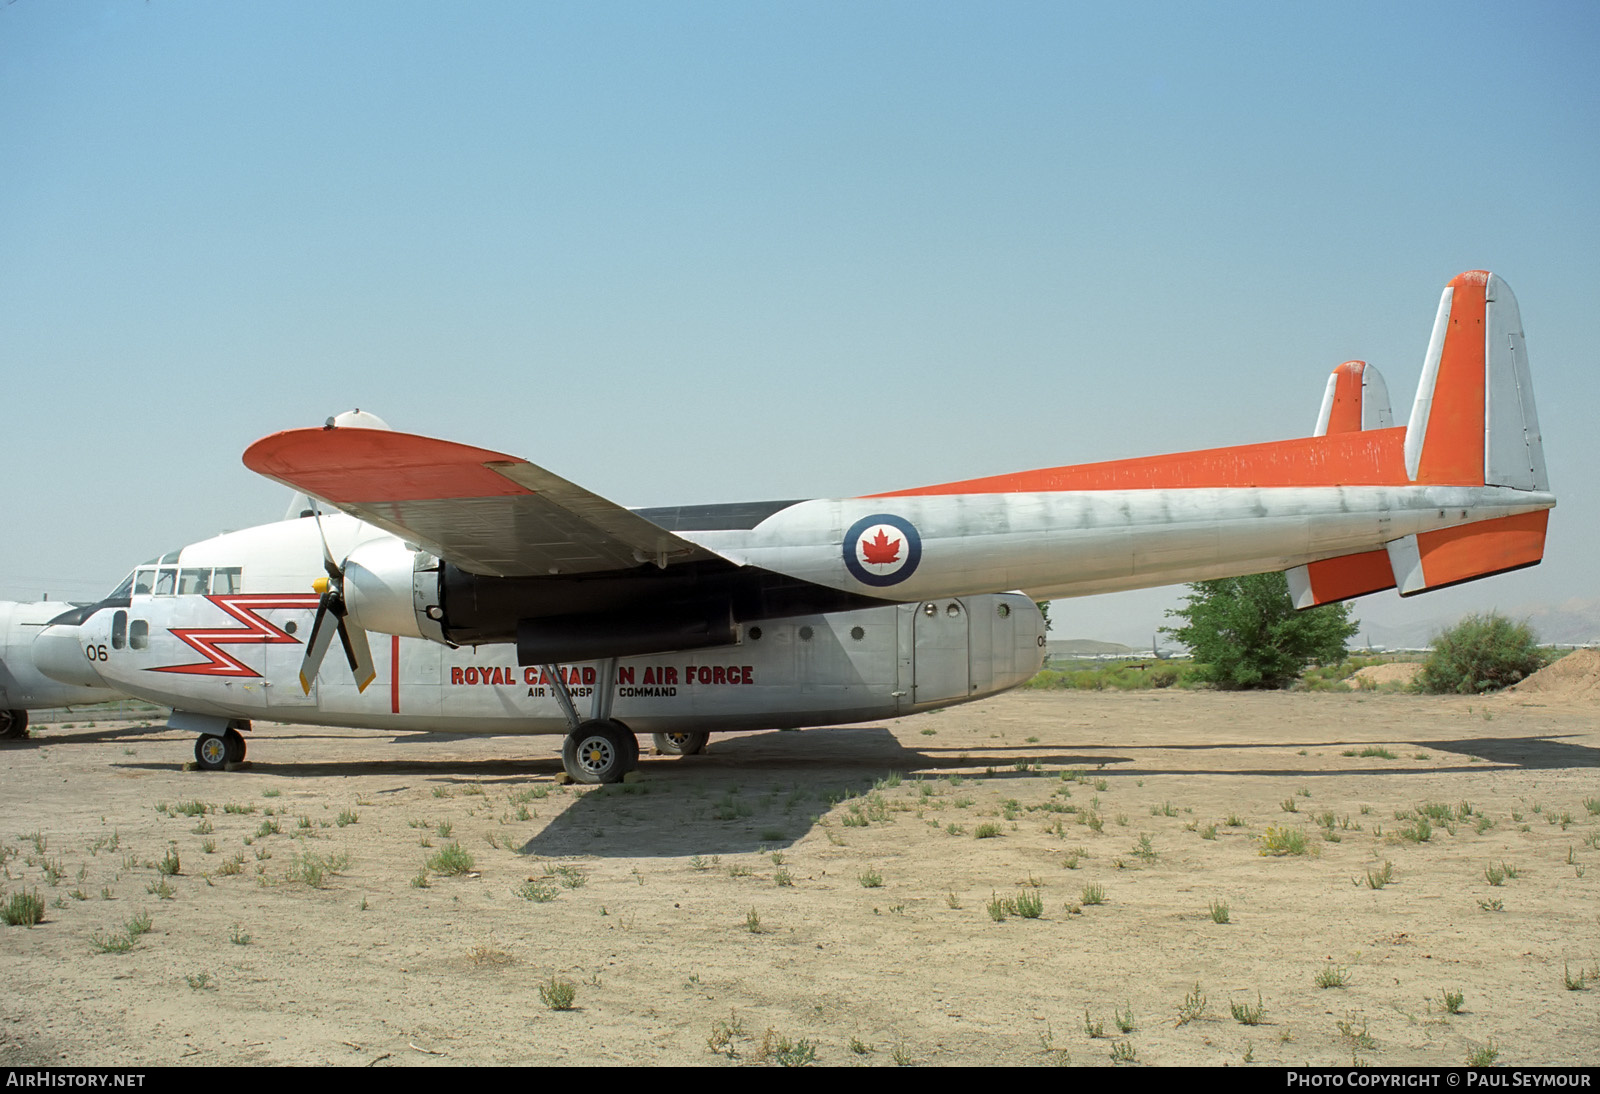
[370, 465]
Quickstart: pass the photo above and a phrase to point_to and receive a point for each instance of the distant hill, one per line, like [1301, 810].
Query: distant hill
[1086, 647]
[1571, 622]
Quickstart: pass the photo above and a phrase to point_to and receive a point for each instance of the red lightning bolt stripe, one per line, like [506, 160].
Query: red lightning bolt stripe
[256, 631]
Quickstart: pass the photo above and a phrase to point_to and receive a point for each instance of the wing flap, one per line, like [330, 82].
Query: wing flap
[485, 511]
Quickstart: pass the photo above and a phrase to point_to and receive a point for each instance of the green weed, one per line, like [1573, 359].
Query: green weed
[1285, 841]
[558, 994]
[1194, 1006]
[1245, 1014]
[23, 909]
[1332, 976]
[451, 860]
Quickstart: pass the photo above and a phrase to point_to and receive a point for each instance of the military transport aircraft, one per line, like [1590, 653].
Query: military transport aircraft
[507, 600]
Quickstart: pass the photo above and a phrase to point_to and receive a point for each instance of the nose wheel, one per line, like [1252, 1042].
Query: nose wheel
[214, 753]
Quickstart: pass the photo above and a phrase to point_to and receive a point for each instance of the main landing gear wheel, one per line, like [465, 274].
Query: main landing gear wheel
[235, 742]
[682, 743]
[600, 752]
[211, 753]
[13, 724]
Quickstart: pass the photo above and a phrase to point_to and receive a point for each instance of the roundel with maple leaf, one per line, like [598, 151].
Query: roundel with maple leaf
[882, 549]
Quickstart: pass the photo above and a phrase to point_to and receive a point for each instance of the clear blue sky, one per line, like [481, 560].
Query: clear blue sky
[720, 251]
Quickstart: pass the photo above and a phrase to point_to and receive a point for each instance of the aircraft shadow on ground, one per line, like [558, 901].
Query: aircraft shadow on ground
[766, 791]
[116, 731]
[1530, 752]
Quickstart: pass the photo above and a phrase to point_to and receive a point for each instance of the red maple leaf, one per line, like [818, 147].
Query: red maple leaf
[880, 549]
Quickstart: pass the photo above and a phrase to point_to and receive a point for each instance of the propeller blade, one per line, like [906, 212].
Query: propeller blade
[358, 653]
[317, 646]
[328, 564]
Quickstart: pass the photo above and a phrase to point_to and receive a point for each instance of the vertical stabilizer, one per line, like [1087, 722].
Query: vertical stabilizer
[1474, 421]
[1513, 450]
[1356, 398]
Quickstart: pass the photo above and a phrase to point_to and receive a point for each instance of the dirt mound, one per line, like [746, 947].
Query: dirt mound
[1397, 673]
[1575, 676]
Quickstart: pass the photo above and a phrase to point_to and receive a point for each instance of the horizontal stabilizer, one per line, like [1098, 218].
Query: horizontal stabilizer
[1424, 562]
[1356, 398]
[1435, 560]
[1340, 578]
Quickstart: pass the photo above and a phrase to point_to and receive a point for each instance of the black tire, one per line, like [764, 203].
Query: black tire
[599, 752]
[13, 724]
[681, 743]
[211, 753]
[631, 740]
[235, 746]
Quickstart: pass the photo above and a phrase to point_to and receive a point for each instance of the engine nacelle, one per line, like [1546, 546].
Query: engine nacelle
[591, 637]
[392, 589]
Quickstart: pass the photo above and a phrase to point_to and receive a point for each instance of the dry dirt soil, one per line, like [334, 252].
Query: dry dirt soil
[828, 894]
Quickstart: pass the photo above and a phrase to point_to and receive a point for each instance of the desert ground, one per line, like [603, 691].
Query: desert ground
[833, 895]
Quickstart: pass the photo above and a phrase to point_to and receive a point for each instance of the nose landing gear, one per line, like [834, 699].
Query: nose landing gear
[215, 753]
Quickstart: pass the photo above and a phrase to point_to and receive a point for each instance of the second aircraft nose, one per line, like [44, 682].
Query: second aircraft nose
[58, 652]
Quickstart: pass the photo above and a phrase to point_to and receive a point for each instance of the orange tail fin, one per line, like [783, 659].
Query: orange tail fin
[1474, 422]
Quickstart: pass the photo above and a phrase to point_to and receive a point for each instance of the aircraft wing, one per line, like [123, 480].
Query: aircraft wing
[487, 512]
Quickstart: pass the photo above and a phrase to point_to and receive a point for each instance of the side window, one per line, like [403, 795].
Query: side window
[144, 582]
[226, 580]
[139, 634]
[194, 582]
[119, 630]
[166, 582]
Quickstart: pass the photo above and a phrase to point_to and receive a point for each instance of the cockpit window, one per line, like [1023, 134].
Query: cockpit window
[121, 591]
[144, 582]
[226, 580]
[166, 581]
[194, 582]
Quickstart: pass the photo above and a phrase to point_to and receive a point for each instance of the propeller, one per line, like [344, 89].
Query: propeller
[333, 614]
